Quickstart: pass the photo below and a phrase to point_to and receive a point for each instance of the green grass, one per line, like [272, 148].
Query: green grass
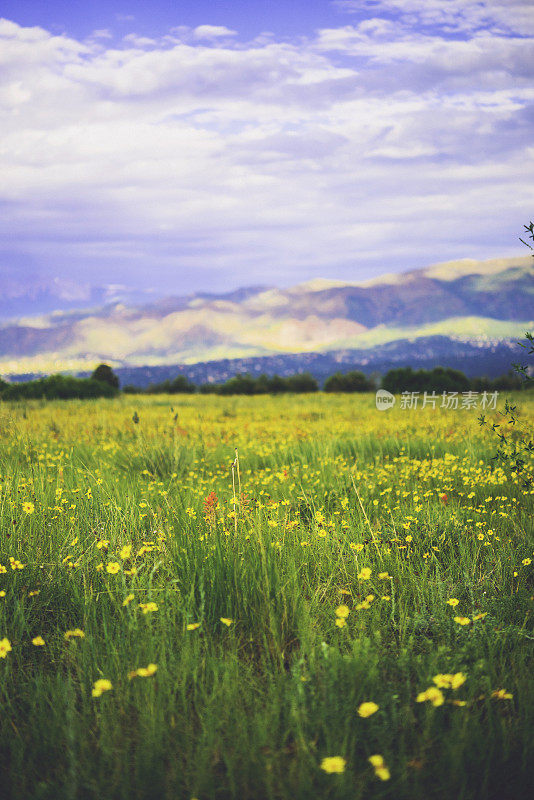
[249, 711]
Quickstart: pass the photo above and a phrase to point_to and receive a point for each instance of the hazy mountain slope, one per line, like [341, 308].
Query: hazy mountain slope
[470, 300]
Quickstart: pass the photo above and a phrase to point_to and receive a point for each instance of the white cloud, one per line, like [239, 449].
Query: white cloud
[453, 16]
[139, 41]
[271, 161]
[102, 33]
[212, 32]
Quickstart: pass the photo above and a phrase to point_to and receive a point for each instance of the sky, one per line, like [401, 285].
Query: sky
[197, 146]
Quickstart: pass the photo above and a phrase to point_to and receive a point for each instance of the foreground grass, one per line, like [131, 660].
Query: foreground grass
[270, 625]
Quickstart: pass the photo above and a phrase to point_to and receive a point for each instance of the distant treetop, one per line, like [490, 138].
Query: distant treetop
[105, 374]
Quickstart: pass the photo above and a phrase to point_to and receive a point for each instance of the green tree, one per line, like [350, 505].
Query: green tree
[354, 381]
[302, 382]
[105, 374]
[439, 379]
[58, 387]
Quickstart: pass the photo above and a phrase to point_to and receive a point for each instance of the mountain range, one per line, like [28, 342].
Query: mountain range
[478, 303]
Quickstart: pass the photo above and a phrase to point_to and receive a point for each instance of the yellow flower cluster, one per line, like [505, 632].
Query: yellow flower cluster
[442, 680]
[76, 633]
[148, 608]
[143, 672]
[381, 770]
[100, 686]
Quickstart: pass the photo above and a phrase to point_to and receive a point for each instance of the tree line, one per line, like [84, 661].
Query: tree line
[105, 383]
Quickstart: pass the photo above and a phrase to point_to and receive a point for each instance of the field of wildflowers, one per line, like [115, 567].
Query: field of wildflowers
[342, 611]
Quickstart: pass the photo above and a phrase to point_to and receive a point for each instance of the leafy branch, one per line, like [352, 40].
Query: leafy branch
[513, 450]
[530, 231]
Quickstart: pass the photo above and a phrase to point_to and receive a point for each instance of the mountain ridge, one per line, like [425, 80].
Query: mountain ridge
[469, 300]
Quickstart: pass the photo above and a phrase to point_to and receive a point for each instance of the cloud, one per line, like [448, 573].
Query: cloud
[453, 16]
[139, 41]
[197, 160]
[102, 33]
[212, 32]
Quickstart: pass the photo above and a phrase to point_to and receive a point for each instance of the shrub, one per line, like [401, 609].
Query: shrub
[349, 382]
[439, 379]
[57, 387]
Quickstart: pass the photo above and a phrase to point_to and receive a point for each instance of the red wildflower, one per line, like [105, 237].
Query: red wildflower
[210, 507]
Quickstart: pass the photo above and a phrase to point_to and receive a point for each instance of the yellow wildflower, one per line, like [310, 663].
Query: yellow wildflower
[127, 600]
[38, 641]
[126, 552]
[457, 680]
[76, 633]
[342, 611]
[376, 761]
[500, 694]
[367, 709]
[452, 601]
[100, 686]
[462, 620]
[226, 621]
[147, 672]
[192, 626]
[365, 574]
[447, 681]
[143, 672]
[146, 608]
[381, 771]
[333, 764]
[28, 507]
[433, 694]
[5, 647]
[113, 567]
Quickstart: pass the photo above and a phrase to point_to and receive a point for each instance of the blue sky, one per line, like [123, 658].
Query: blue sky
[207, 145]
[248, 17]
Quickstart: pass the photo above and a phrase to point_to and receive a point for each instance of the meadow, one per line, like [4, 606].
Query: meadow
[343, 612]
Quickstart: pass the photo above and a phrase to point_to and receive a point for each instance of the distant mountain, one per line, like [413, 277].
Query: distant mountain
[480, 303]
